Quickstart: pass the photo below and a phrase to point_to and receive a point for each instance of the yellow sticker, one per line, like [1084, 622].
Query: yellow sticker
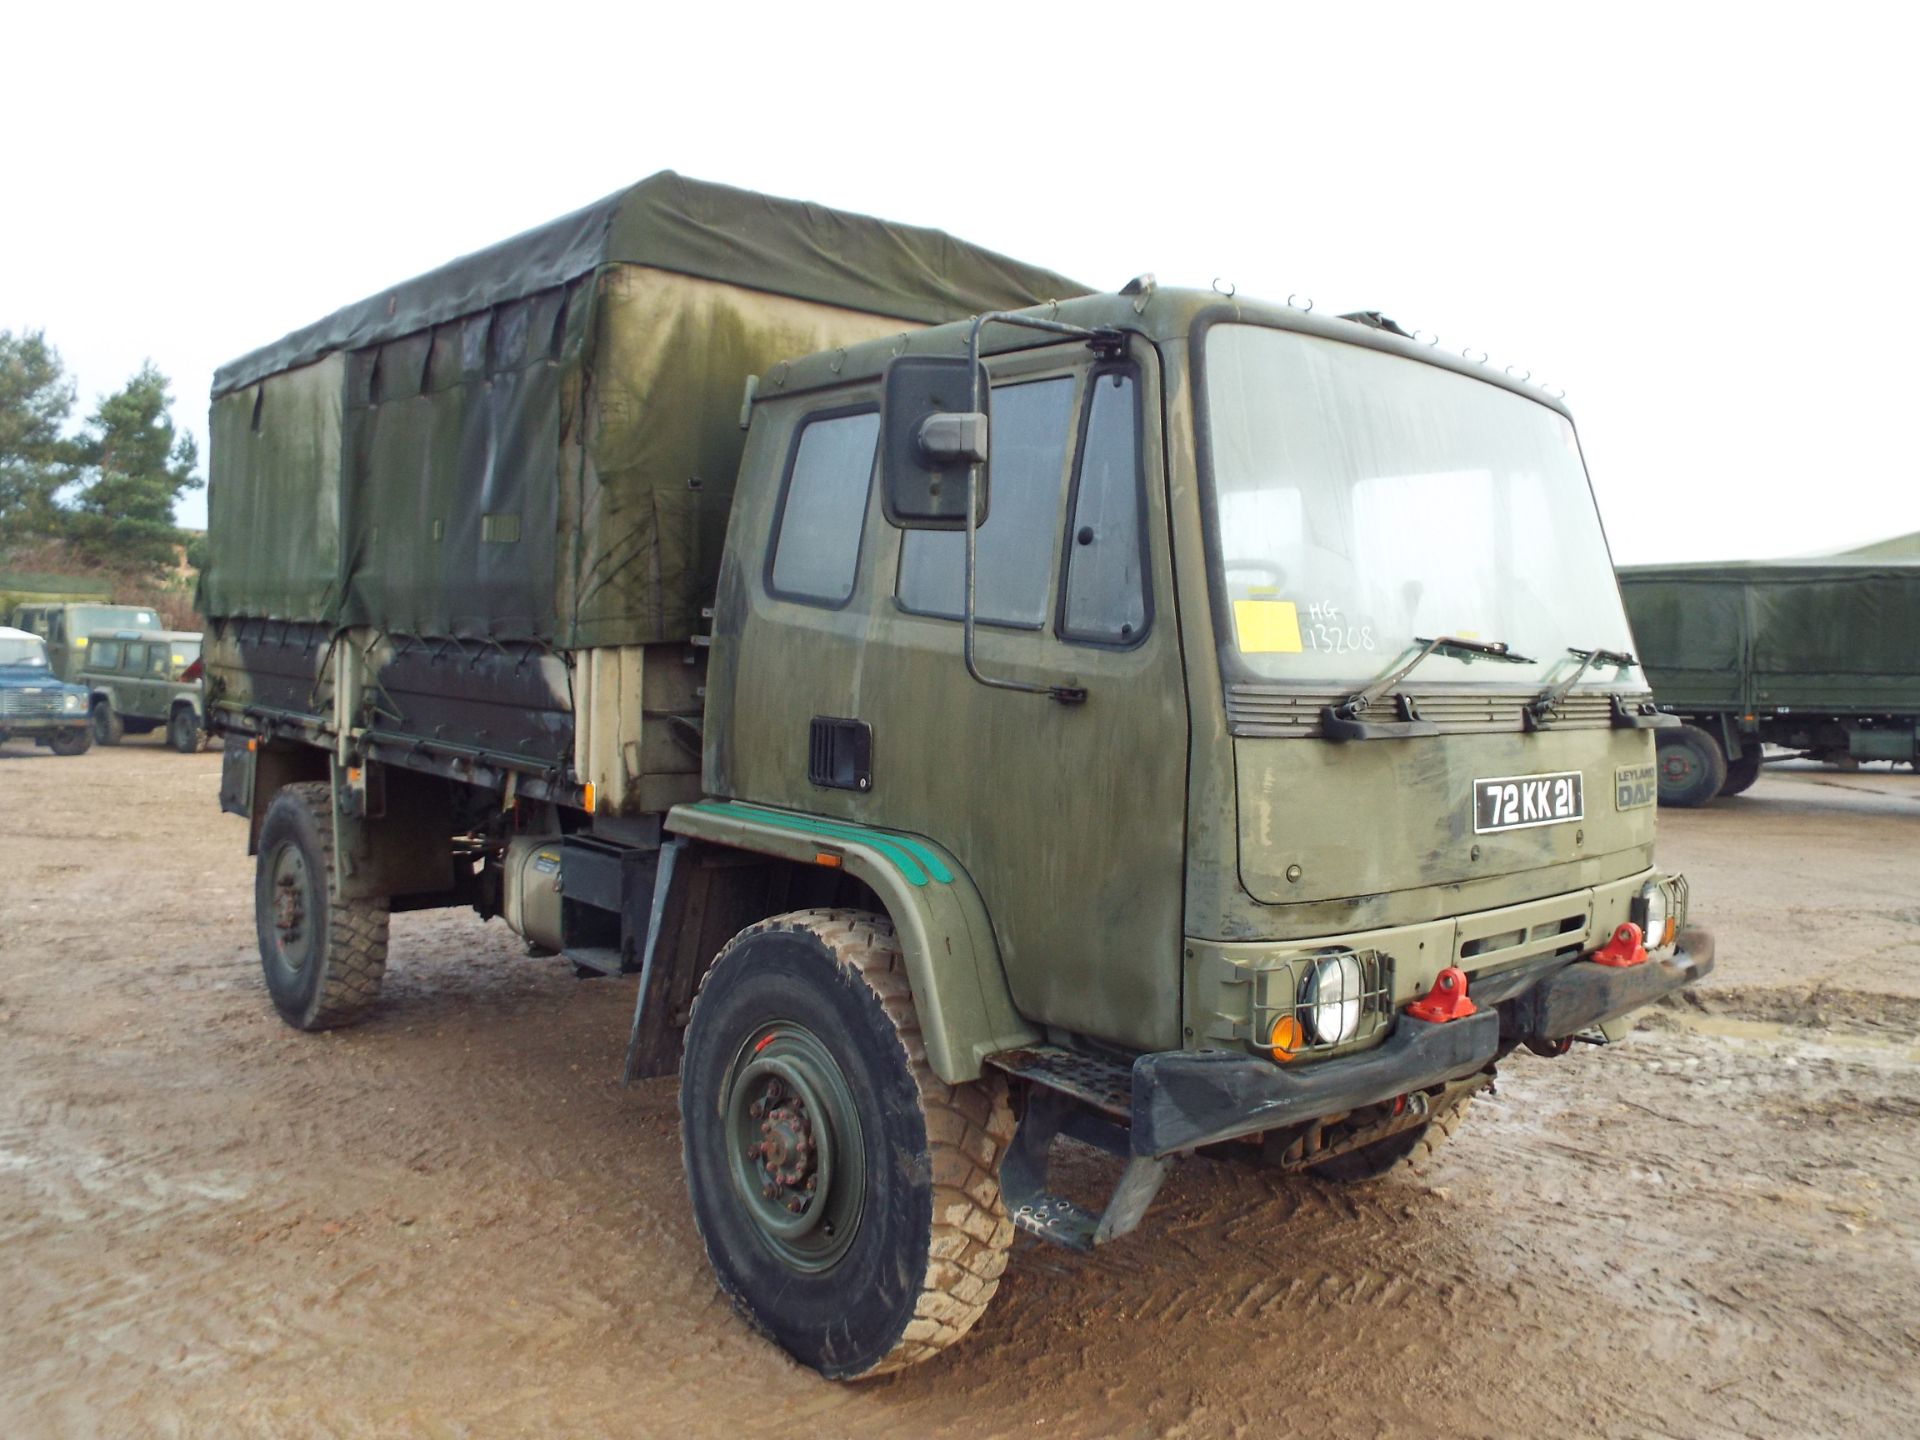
[1267, 627]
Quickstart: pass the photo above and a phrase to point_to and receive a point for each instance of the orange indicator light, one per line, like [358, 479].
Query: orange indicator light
[1286, 1038]
[822, 857]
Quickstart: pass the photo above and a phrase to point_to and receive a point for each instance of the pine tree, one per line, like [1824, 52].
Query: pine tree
[36, 397]
[136, 465]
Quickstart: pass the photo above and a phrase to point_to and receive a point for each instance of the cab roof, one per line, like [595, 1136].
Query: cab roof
[1158, 315]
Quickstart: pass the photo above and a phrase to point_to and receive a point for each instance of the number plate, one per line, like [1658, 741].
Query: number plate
[1519, 802]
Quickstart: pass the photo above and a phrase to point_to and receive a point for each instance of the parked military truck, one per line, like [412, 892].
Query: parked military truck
[65, 626]
[1816, 656]
[978, 710]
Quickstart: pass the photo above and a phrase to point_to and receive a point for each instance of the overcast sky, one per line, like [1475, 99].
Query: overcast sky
[1698, 221]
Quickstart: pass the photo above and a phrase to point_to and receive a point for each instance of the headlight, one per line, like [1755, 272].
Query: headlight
[1653, 913]
[73, 702]
[1330, 998]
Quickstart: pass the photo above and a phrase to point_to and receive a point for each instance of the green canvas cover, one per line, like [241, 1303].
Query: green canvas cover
[1832, 636]
[538, 441]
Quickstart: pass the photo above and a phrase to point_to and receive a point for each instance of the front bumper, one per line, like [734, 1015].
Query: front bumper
[41, 726]
[1185, 1098]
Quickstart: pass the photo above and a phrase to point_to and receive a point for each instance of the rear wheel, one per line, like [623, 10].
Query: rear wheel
[1742, 773]
[1692, 766]
[1396, 1152]
[849, 1200]
[323, 957]
[74, 741]
[107, 728]
[183, 729]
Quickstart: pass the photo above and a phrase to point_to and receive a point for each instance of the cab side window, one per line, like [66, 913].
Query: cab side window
[135, 660]
[156, 659]
[106, 655]
[56, 627]
[1015, 547]
[823, 508]
[1105, 599]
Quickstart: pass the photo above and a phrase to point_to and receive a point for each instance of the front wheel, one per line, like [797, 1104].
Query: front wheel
[323, 957]
[1396, 1152]
[1692, 766]
[849, 1200]
[105, 720]
[75, 741]
[183, 730]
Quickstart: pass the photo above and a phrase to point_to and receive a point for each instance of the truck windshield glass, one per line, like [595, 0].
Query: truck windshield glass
[112, 617]
[1363, 499]
[29, 653]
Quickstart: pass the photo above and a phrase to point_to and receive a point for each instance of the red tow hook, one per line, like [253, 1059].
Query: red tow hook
[1624, 949]
[1447, 1000]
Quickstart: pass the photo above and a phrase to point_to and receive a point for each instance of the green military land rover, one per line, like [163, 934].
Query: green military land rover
[140, 680]
[978, 710]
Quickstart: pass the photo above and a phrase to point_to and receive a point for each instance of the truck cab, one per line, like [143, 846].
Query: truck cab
[1206, 545]
[67, 625]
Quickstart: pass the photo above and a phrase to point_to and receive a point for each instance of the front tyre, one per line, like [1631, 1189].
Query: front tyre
[1396, 1152]
[1692, 766]
[107, 727]
[183, 730]
[75, 740]
[849, 1200]
[323, 957]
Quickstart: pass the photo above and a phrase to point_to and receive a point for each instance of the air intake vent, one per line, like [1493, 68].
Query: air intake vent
[840, 753]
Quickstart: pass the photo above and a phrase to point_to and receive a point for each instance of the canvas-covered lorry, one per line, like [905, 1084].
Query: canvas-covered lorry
[979, 710]
[1820, 657]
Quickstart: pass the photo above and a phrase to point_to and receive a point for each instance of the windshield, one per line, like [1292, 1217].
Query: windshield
[1363, 499]
[28, 652]
[112, 617]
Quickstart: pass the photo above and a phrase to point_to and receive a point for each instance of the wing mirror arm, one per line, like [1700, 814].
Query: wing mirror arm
[1106, 341]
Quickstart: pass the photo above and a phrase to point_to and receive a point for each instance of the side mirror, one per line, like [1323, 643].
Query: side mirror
[929, 436]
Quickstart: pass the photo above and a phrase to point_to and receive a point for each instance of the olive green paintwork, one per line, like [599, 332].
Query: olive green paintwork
[1104, 837]
[965, 1014]
[141, 684]
[1831, 637]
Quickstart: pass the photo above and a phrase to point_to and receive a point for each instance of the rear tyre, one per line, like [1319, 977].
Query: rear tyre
[1691, 764]
[1396, 1152]
[323, 957]
[849, 1200]
[107, 728]
[75, 741]
[1742, 773]
[183, 729]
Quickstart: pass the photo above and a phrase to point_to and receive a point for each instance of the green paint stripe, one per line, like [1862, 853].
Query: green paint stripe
[914, 859]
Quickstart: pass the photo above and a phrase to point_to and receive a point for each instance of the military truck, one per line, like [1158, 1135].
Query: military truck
[140, 680]
[979, 710]
[34, 704]
[65, 626]
[1816, 656]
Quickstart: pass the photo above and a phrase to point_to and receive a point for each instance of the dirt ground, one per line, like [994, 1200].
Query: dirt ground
[453, 1222]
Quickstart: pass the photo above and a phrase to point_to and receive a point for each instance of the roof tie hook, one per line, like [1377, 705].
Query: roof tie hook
[1230, 289]
[1306, 309]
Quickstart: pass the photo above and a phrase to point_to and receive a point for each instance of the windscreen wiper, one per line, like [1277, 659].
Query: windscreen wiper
[1343, 722]
[1541, 708]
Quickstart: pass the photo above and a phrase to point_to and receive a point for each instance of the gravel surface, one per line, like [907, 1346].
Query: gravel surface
[451, 1221]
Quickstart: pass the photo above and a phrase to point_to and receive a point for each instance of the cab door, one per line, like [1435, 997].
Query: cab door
[1069, 818]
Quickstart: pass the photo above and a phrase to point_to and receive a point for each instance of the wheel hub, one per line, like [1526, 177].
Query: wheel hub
[290, 907]
[785, 1154]
[798, 1164]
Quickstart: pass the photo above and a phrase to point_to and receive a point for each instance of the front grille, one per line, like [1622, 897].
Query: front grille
[23, 704]
[1257, 711]
[1357, 996]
